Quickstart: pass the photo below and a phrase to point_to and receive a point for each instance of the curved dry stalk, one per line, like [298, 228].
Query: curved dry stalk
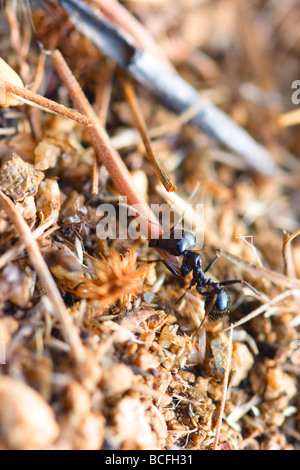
[142, 128]
[69, 330]
[286, 252]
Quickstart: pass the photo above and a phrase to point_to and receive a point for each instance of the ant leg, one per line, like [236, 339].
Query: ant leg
[240, 281]
[179, 299]
[186, 206]
[174, 305]
[170, 268]
[207, 312]
[212, 262]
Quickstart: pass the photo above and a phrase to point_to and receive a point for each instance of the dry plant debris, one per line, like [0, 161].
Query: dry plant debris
[89, 357]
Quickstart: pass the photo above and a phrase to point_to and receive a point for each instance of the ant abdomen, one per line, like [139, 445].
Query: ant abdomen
[220, 305]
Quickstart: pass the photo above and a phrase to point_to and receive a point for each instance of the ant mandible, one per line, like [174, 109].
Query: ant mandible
[217, 299]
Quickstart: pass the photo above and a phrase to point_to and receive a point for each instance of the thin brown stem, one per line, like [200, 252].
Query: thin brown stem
[57, 108]
[103, 91]
[95, 182]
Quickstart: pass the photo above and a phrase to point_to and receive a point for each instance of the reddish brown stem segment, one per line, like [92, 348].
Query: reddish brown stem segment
[44, 102]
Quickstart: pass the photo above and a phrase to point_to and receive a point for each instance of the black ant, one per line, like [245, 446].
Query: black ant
[217, 302]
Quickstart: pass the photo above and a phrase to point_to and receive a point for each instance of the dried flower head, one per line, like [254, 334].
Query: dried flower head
[115, 279]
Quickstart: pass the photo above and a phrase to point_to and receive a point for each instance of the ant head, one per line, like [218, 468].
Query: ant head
[175, 242]
[221, 305]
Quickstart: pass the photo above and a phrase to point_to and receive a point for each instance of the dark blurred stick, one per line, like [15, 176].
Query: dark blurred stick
[173, 92]
[120, 16]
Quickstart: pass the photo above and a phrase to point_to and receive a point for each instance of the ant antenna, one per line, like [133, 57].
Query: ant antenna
[45, 51]
[186, 206]
[206, 314]
[137, 212]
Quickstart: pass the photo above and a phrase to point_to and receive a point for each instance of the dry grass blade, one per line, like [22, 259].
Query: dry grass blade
[141, 125]
[259, 271]
[263, 308]
[289, 119]
[225, 391]
[69, 331]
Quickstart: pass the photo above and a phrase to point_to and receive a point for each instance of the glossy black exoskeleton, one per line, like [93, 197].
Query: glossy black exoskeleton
[180, 243]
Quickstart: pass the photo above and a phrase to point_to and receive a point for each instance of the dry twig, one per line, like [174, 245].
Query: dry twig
[141, 125]
[44, 102]
[263, 308]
